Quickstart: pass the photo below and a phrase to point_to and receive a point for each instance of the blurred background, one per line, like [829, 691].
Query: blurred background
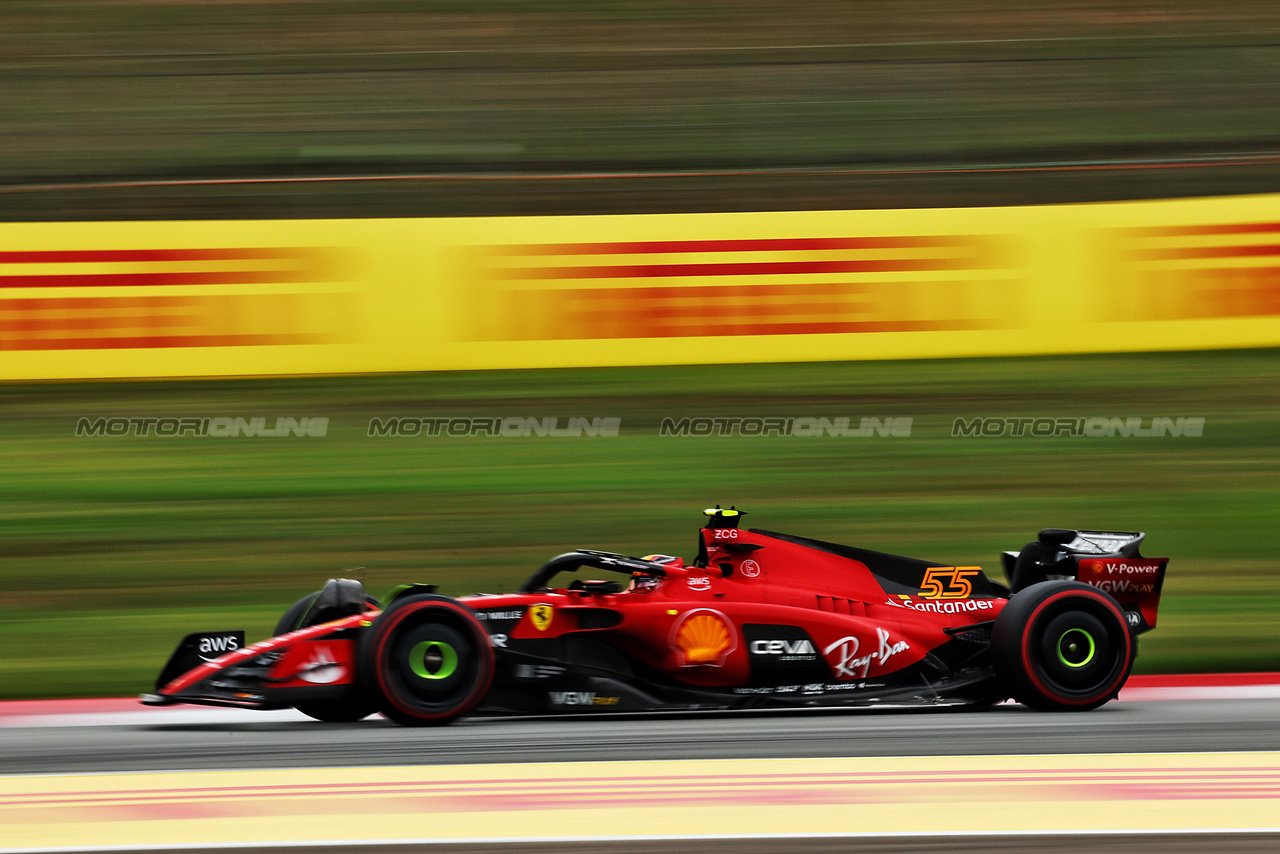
[110, 550]
[514, 107]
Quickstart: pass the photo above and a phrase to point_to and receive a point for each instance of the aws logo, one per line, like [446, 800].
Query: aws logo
[209, 647]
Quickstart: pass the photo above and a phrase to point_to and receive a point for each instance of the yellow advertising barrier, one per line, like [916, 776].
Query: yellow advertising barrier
[170, 299]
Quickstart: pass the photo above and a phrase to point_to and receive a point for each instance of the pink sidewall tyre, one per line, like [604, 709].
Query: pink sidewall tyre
[427, 660]
[1062, 646]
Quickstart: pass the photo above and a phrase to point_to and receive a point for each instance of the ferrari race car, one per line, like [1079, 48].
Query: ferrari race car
[757, 620]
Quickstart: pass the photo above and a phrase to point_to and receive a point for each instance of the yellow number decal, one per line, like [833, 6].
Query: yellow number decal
[931, 587]
[948, 582]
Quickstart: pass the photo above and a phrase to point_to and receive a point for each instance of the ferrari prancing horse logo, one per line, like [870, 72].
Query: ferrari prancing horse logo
[540, 616]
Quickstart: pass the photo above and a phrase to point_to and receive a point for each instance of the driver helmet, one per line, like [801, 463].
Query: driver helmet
[641, 581]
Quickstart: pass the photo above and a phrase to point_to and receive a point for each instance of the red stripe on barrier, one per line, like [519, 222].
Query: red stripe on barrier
[159, 342]
[141, 256]
[1198, 230]
[770, 268]
[801, 244]
[142, 280]
[1184, 253]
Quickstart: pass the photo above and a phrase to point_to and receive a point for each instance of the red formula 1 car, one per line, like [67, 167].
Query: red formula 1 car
[758, 619]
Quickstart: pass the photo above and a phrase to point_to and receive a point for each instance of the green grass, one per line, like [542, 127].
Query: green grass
[113, 548]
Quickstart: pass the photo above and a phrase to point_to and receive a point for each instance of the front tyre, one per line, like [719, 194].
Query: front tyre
[428, 659]
[1062, 646]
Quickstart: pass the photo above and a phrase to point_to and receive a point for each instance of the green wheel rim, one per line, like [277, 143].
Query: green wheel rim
[1071, 642]
[445, 655]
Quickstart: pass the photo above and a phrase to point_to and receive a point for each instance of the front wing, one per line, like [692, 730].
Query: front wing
[313, 663]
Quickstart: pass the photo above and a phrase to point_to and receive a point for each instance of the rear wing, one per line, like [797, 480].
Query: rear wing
[1108, 560]
[1133, 582]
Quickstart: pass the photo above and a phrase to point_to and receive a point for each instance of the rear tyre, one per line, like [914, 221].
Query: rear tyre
[1062, 646]
[344, 711]
[428, 659]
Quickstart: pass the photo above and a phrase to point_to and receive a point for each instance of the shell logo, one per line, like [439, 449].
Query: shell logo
[703, 638]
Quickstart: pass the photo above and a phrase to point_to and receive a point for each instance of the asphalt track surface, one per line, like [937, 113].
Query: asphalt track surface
[287, 742]
[1108, 843]
[217, 739]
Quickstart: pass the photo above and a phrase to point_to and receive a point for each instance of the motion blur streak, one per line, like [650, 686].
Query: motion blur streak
[122, 94]
[795, 171]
